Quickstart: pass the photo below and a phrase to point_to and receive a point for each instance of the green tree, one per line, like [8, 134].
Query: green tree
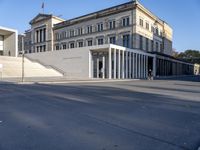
[192, 56]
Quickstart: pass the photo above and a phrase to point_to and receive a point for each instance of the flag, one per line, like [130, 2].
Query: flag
[43, 5]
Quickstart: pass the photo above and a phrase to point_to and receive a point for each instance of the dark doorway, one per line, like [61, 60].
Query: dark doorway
[100, 69]
[150, 63]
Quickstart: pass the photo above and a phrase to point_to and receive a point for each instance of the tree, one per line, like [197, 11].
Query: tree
[192, 56]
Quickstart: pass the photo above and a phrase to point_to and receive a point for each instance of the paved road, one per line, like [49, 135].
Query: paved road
[131, 115]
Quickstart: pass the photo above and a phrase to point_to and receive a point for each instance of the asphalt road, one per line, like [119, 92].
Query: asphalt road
[130, 115]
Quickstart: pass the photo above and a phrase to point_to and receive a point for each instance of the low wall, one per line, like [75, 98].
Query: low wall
[73, 63]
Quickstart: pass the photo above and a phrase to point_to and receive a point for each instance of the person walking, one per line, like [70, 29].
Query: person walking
[150, 77]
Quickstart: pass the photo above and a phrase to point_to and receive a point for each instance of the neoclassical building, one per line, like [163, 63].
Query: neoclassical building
[129, 25]
[124, 41]
[41, 33]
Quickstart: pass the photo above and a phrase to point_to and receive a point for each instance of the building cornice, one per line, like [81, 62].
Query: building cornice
[99, 14]
[44, 17]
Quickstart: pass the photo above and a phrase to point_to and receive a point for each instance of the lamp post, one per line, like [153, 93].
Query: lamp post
[22, 59]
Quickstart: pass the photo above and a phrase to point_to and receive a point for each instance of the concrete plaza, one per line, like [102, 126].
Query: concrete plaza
[128, 115]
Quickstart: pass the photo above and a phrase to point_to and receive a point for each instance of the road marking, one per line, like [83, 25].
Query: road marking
[1, 121]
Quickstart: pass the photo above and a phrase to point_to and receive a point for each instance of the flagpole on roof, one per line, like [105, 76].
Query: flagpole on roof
[43, 7]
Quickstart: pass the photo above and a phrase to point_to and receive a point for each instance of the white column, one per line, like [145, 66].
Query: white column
[139, 66]
[110, 63]
[39, 36]
[90, 65]
[42, 35]
[36, 36]
[97, 67]
[142, 65]
[130, 65]
[136, 66]
[119, 64]
[104, 64]
[123, 71]
[133, 67]
[126, 76]
[115, 63]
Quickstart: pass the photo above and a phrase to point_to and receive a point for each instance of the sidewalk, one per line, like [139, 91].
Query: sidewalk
[59, 80]
[56, 80]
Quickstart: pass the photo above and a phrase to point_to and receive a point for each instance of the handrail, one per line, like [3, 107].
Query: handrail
[45, 65]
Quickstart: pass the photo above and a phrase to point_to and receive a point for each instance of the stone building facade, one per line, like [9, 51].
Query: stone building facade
[41, 32]
[121, 42]
[130, 25]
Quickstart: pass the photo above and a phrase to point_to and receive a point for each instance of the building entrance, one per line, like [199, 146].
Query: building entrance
[99, 64]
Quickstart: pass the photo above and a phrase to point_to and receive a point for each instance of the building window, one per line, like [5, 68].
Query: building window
[37, 49]
[156, 46]
[41, 48]
[71, 33]
[125, 22]
[72, 45]
[100, 41]
[80, 31]
[141, 22]
[152, 29]
[157, 32]
[100, 27]
[152, 45]
[161, 47]
[147, 26]
[113, 40]
[57, 36]
[80, 44]
[161, 33]
[89, 42]
[89, 29]
[57, 47]
[64, 34]
[147, 44]
[112, 24]
[141, 42]
[64, 46]
[44, 48]
[126, 40]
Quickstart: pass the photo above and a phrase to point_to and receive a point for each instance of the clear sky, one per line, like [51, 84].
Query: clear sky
[182, 15]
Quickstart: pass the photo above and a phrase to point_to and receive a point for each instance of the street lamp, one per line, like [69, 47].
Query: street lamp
[23, 52]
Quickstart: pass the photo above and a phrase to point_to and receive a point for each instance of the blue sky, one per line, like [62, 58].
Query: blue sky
[182, 15]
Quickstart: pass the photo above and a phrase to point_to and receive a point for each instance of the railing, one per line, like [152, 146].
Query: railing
[47, 66]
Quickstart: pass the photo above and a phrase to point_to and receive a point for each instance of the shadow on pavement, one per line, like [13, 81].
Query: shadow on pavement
[181, 78]
[129, 118]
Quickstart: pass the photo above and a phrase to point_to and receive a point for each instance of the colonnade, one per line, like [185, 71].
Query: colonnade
[115, 62]
[127, 64]
[40, 35]
[172, 67]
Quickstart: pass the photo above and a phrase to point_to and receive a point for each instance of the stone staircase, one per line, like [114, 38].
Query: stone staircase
[12, 68]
